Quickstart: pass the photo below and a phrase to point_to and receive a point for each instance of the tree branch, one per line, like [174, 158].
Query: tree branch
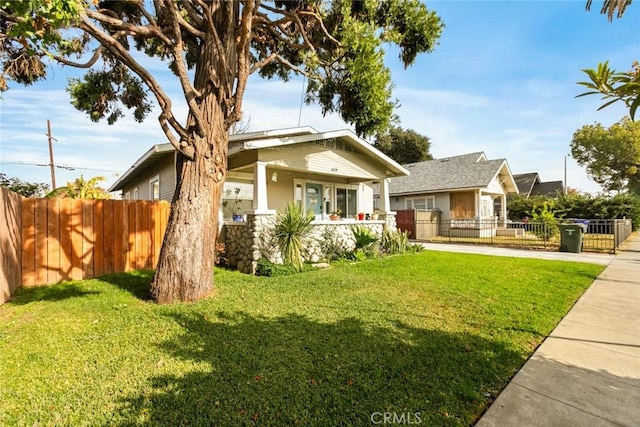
[116, 49]
[147, 31]
[192, 12]
[275, 57]
[96, 55]
[189, 91]
[243, 52]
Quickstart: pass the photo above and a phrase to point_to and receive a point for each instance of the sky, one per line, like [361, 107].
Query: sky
[502, 80]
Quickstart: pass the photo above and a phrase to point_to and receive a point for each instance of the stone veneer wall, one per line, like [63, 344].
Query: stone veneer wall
[248, 241]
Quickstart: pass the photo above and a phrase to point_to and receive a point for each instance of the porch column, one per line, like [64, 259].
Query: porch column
[503, 207]
[478, 195]
[385, 204]
[260, 198]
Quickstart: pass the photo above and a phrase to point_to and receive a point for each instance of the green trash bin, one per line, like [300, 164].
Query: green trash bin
[571, 237]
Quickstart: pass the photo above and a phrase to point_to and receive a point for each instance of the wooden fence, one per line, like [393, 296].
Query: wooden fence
[46, 241]
[10, 243]
[74, 239]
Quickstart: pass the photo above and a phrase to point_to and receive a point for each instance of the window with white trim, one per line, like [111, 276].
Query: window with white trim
[420, 203]
[154, 188]
[135, 193]
[346, 200]
[485, 212]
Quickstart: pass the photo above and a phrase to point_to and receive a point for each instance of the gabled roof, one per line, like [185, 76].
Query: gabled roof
[526, 182]
[266, 139]
[549, 188]
[467, 171]
[294, 136]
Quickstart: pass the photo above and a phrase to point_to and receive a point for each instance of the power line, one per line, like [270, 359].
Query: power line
[59, 166]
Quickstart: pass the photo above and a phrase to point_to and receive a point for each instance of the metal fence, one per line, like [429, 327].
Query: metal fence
[600, 235]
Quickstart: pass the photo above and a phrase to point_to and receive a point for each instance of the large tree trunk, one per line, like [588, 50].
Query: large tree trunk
[185, 267]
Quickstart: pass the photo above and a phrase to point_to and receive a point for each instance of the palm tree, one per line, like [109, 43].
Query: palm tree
[609, 7]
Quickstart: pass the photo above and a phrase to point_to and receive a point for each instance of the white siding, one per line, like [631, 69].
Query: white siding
[166, 171]
[316, 159]
[495, 186]
[365, 198]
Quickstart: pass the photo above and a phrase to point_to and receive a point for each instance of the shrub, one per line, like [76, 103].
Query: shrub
[544, 215]
[394, 242]
[270, 269]
[329, 245]
[364, 236]
[357, 254]
[365, 240]
[292, 226]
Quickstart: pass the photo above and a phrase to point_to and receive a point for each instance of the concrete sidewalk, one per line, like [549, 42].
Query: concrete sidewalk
[587, 372]
[590, 257]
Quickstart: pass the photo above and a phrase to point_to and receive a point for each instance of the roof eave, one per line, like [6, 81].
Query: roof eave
[156, 149]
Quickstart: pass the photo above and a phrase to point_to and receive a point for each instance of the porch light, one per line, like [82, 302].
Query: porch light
[274, 177]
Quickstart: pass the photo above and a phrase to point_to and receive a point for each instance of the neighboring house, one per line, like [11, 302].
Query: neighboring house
[461, 187]
[529, 184]
[324, 172]
[454, 195]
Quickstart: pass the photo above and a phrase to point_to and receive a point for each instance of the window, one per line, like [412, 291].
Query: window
[127, 195]
[324, 198]
[485, 211]
[154, 188]
[298, 195]
[347, 201]
[421, 203]
[135, 193]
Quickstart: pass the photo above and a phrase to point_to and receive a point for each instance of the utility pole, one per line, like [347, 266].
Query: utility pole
[53, 167]
[565, 174]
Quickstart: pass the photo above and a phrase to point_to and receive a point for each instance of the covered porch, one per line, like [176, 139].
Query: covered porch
[331, 174]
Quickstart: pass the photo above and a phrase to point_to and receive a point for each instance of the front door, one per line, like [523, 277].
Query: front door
[313, 199]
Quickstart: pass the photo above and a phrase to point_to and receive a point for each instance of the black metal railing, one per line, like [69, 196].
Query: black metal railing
[600, 235]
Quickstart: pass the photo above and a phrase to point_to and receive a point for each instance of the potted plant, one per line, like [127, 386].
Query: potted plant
[335, 215]
[237, 216]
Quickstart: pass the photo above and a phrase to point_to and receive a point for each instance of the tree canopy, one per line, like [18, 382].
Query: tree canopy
[336, 45]
[404, 146]
[611, 155]
[81, 188]
[24, 188]
[212, 48]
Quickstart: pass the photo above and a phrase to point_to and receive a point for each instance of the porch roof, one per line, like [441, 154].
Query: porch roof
[299, 136]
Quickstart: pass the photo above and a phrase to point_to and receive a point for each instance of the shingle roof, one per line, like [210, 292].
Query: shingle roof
[464, 171]
[549, 188]
[526, 181]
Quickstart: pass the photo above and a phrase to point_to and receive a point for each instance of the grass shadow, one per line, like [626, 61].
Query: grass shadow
[292, 370]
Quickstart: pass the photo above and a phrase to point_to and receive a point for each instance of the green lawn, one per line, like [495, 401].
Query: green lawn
[438, 334]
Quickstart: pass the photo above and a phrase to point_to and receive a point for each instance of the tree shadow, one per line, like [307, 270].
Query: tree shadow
[134, 282]
[50, 293]
[292, 370]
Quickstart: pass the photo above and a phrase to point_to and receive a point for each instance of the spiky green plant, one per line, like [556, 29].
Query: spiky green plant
[292, 226]
[394, 242]
[365, 238]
